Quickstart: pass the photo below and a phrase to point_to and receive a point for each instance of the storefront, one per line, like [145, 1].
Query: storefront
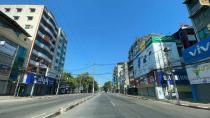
[197, 60]
[43, 85]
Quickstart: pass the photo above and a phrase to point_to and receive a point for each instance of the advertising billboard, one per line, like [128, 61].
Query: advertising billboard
[199, 74]
[197, 52]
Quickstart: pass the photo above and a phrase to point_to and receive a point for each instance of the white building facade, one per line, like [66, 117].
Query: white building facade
[117, 77]
[152, 63]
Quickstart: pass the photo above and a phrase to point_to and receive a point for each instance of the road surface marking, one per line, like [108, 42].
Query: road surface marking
[112, 103]
[38, 115]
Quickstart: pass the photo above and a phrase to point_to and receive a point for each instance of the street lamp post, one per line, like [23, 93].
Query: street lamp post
[93, 78]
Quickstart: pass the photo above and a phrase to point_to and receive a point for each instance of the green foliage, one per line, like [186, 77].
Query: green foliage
[107, 86]
[83, 80]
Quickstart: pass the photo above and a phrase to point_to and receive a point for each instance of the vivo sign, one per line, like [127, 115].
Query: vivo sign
[200, 49]
[197, 52]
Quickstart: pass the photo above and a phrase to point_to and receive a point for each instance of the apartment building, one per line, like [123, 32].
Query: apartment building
[117, 77]
[60, 53]
[199, 14]
[48, 44]
[124, 78]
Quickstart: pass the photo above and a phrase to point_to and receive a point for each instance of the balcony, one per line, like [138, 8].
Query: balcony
[41, 45]
[36, 64]
[53, 26]
[48, 31]
[42, 36]
[39, 54]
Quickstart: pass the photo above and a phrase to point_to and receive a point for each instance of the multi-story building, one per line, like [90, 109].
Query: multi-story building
[197, 57]
[199, 14]
[185, 37]
[116, 77]
[153, 66]
[124, 79]
[60, 52]
[133, 83]
[14, 48]
[46, 56]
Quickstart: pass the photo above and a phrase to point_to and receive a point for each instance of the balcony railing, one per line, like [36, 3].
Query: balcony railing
[39, 54]
[41, 45]
[42, 36]
[32, 62]
[48, 31]
[48, 21]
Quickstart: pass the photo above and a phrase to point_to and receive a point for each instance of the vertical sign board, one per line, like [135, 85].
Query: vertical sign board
[204, 2]
[198, 73]
[197, 52]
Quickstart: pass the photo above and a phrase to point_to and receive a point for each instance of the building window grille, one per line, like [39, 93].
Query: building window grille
[28, 26]
[16, 17]
[30, 18]
[32, 10]
[19, 10]
[7, 9]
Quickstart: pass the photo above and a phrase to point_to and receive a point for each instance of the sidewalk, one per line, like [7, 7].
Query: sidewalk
[15, 99]
[205, 106]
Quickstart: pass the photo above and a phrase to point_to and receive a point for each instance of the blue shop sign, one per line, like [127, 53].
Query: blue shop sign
[197, 52]
[39, 79]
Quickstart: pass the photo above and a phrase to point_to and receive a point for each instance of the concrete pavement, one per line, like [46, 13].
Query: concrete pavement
[115, 106]
[205, 106]
[37, 108]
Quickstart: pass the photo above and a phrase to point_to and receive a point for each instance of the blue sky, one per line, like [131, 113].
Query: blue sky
[102, 31]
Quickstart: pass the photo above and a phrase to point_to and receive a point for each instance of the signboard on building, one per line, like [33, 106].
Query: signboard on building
[204, 2]
[29, 78]
[197, 52]
[199, 74]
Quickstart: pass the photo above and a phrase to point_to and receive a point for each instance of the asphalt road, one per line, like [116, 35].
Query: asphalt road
[36, 108]
[115, 106]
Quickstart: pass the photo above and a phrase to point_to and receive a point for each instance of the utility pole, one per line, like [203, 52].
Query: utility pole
[37, 73]
[59, 82]
[93, 78]
[167, 50]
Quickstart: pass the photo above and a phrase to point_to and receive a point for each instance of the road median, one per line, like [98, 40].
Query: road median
[68, 107]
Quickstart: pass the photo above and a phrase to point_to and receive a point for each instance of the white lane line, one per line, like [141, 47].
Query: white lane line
[112, 103]
[38, 115]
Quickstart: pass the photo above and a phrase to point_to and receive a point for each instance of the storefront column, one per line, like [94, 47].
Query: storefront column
[194, 93]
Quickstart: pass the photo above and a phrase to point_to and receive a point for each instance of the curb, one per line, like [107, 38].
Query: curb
[195, 107]
[71, 106]
[166, 101]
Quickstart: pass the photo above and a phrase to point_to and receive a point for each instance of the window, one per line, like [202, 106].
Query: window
[30, 18]
[28, 26]
[32, 10]
[150, 52]
[19, 9]
[7, 9]
[16, 17]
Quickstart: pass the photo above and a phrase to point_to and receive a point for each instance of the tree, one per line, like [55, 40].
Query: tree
[107, 86]
[71, 81]
[83, 80]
